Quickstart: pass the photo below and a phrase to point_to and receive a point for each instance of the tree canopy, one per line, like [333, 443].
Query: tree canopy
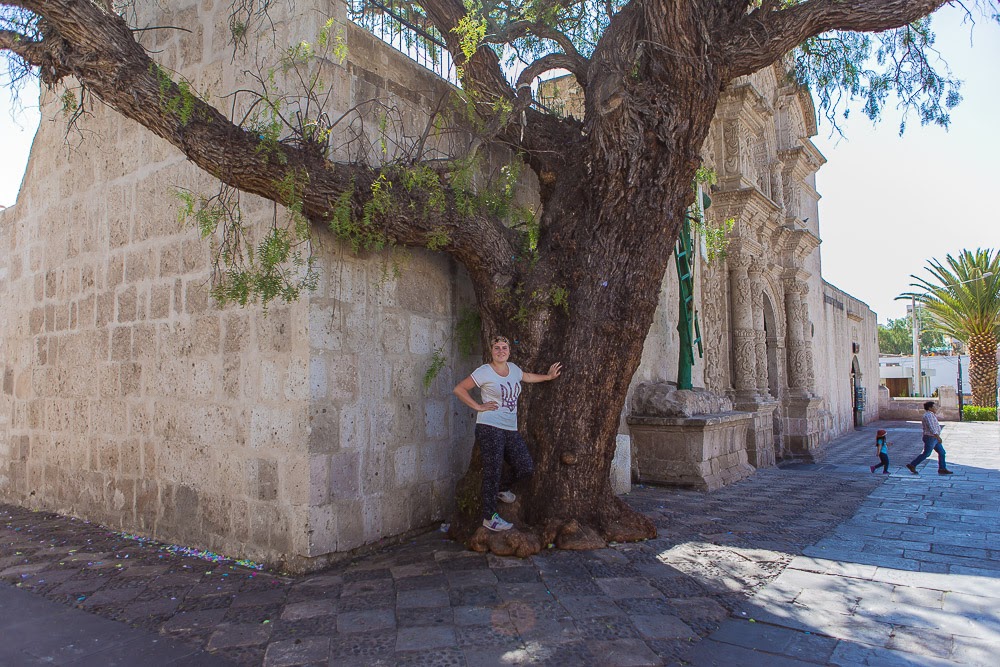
[896, 336]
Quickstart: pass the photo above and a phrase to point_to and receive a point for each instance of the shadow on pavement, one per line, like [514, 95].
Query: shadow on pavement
[913, 578]
[797, 550]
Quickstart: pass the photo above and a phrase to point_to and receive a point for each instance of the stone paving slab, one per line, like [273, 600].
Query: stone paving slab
[36, 631]
[885, 595]
[835, 566]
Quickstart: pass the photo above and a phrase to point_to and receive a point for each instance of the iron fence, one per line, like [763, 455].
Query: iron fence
[407, 29]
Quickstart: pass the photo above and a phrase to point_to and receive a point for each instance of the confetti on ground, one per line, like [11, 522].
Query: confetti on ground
[179, 550]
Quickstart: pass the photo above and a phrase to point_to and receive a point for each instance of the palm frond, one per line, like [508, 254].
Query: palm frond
[962, 294]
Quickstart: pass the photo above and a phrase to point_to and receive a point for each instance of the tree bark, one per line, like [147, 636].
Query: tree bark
[609, 227]
[983, 369]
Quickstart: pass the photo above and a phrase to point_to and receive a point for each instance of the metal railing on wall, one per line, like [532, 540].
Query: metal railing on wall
[406, 29]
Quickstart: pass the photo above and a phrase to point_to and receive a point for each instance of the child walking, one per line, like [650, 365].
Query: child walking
[882, 449]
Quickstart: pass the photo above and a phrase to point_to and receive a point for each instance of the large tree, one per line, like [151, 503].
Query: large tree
[896, 336]
[580, 284]
[962, 297]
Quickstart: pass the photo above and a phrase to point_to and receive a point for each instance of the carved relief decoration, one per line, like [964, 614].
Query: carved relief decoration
[731, 146]
[798, 364]
[777, 184]
[796, 352]
[762, 175]
[756, 274]
[746, 155]
[743, 298]
[745, 358]
[810, 376]
[786, 190]
[714, 332]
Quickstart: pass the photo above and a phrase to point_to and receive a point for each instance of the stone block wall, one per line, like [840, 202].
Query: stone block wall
[132, 399]
[384, 450]
[907, 408]
[846, 322]
[136, 401]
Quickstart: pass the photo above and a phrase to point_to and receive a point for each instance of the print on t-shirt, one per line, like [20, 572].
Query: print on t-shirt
[504, 391]
[509, 395]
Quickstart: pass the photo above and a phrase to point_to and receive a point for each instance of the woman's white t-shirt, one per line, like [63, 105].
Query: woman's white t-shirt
[504, 390]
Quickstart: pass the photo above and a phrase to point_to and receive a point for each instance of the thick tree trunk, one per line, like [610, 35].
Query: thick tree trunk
[983, 370]
[571, 424]
[608, 234]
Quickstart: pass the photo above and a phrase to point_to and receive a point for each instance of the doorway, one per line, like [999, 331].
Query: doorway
[858, 394]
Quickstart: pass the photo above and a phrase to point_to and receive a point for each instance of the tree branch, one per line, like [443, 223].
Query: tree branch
[545, 64]
[577, 64]
[33, 52]
[99, 50]
[764, 35]
[483, 74]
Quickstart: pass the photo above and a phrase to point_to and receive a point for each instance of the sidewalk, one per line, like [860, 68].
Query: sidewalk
[913, 578]
[796, 550]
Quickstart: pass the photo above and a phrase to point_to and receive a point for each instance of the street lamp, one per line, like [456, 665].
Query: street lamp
[917, 384]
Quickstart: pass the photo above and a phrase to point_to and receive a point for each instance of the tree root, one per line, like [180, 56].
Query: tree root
[574, 537]
[620, 524]
[627, 525]
[511, 542]
[612, 520]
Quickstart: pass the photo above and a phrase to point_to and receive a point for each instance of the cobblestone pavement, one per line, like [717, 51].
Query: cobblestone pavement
[913, 578]
[429, 602]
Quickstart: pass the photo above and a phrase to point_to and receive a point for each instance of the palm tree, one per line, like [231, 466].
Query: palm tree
[963, 300]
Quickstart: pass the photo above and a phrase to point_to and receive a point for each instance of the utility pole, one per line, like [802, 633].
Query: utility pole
[961, 404]
[918, 384]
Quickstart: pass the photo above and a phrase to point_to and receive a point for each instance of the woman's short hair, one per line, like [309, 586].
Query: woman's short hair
[498, 339]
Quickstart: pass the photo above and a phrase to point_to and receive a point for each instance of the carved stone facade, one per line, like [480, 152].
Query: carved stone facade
[771, 342]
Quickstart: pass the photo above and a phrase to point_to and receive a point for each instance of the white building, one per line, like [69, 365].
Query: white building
[896, 373]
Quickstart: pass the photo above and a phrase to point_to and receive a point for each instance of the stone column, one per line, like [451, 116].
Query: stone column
[777, 186]
[798, 362]
[756, 273]
[803, 410]
[744, 346]
[810, 375]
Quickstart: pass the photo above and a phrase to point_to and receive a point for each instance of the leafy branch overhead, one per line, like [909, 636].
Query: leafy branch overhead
[285, 124]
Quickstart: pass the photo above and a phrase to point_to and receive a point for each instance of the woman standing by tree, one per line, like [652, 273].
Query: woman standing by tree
[496, 425]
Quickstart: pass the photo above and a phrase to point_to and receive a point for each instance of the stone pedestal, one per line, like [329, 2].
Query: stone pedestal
[621, 465]
[947, 403]
[803, 427]
[704, 452]
[760, 436]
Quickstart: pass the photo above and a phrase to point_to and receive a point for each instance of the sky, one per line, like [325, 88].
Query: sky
[889, 203]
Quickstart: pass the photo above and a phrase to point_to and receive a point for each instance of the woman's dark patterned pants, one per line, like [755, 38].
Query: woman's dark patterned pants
[497, 445]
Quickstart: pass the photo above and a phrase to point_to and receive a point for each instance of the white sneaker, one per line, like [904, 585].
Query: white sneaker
[496, 524]
[506, 497]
